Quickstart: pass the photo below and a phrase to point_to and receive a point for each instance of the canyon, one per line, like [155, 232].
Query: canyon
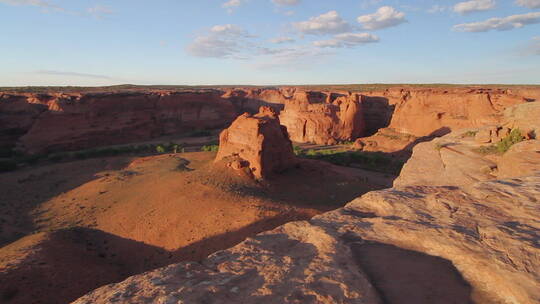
[42, 123]
[283, 209]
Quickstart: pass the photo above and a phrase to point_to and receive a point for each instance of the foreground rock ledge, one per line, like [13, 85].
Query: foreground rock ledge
[416, 244]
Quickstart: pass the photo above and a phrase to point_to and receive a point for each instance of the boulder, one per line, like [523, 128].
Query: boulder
[258, 142]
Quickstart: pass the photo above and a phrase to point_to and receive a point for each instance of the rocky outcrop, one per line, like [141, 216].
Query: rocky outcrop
[403, 245]
[427, 113]
[457, 159]
[324, 123]
[45, 123]
[258, 143]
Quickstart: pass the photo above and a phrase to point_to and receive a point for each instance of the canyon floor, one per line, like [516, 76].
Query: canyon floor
[104, 219]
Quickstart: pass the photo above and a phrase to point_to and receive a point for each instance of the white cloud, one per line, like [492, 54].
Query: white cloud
[99, 11]
[39, 3]
[500, 24]
[293, 58]
[280, 40]
[529, 3]
[328, 23]
[232, 4]
[222, 41]
[347, 40]
[474, 6]
[286, 2]
[384, 17]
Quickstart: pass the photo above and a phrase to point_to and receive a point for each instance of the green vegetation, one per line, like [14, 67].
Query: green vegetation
[375, 161]
[504, 145]
[297, 150]
[439, 146]
[160, 149]
[210, 148]
[513, 138]
[18, 158]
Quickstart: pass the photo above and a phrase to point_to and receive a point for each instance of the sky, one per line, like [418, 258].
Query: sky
[268, 42]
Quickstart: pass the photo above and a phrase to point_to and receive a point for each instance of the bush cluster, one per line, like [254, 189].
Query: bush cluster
[210, 148]
[376, 161]
[504, 145]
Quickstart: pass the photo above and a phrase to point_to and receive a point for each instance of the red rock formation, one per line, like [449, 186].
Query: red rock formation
[258, 142]
[324, 123]
[67, 122]
[49, 122]
[434, 112]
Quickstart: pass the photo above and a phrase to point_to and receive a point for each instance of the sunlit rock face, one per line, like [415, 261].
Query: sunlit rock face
[257, 142]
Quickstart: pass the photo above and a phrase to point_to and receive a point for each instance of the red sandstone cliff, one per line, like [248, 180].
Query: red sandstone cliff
[47, 123]
[39, 123]
[324, 123]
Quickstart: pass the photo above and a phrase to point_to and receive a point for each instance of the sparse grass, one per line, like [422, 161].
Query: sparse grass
[439, 146]
[504, 145]
[375, 161]
[19, 158]
[469, 134]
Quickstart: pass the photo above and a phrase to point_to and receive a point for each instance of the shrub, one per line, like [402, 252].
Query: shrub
[513, 138]
[160, 149]
[298, 151]
[210, 148]
[504, 145]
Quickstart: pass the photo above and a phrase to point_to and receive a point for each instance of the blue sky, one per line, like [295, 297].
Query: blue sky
[104, 42]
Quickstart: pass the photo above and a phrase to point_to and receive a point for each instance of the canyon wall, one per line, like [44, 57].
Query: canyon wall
[41, 123]
[46, 123]
[324, 123]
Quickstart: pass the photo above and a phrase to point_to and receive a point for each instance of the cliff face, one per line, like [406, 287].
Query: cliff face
[403, 117]
[38, 123]
[45, 123]
[324, 123]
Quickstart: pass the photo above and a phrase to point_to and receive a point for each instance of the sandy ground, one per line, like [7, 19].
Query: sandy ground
[105, 219]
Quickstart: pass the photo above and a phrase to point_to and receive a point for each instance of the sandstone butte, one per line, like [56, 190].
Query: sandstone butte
[257, 142]
[396, 117]
[457, 227]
